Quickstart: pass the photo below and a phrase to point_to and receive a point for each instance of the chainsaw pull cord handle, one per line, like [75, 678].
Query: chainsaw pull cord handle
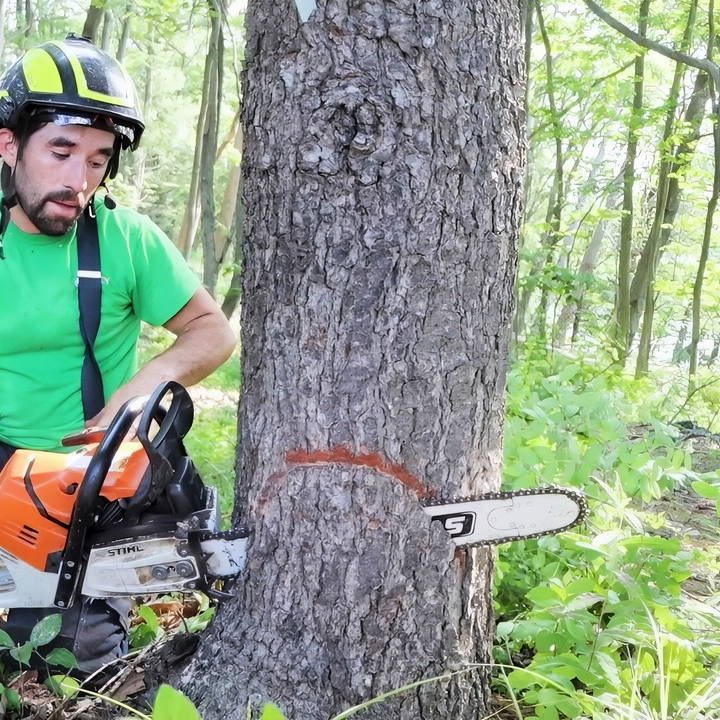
[174, 425]
[84, 511]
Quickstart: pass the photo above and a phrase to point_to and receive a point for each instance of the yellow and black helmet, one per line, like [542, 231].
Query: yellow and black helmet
[74, 80]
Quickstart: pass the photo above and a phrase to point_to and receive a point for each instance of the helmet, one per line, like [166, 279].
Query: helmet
[75, 82]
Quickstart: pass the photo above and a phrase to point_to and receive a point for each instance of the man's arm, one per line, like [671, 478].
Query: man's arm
[204, 341]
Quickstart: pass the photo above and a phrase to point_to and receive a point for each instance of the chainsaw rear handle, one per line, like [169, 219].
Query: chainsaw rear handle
[174, 424]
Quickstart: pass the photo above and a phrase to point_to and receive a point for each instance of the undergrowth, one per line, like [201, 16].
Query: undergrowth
[596, 620]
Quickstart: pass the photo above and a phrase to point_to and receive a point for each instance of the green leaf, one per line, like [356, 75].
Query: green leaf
[62, 658]
[149, 616]
[13, 698]
[46, 630]
[23, 652]
[706, 489]
[63, 685]
[173, 705]
[5, 640]
[271, 712]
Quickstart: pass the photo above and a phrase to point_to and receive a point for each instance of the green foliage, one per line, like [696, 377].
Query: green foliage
[599, 614]
[173, 705]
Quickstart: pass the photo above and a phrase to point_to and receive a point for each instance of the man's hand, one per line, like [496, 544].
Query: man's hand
[204, 341]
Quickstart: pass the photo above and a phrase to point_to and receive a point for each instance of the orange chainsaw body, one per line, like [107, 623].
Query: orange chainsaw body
[38, 490]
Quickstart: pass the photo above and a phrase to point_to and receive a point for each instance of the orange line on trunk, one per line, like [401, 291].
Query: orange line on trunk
[375, 461]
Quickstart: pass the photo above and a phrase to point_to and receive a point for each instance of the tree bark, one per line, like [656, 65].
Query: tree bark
[383, 191]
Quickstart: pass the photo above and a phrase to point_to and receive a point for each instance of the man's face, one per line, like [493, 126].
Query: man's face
[56, 174]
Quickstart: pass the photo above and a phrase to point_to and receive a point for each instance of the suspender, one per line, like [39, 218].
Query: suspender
[89, 285]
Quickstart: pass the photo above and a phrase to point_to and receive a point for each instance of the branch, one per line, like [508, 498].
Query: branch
[708, 66]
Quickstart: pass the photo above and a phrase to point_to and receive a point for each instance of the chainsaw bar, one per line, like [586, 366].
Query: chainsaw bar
[496, 518]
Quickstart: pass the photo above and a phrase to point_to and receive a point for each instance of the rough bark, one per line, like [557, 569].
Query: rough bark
[382, 178]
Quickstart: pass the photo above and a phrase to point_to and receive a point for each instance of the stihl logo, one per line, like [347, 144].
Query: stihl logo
[125, 550]
[457, 524]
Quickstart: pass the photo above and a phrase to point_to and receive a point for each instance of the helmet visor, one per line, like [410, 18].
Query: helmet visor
[125, 133]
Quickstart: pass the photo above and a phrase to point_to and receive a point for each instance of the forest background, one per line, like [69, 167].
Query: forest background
[614, 384]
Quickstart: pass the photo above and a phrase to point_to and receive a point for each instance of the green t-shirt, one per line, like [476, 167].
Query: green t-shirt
[41, 351]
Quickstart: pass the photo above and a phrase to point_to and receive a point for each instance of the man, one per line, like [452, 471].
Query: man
[67, 110]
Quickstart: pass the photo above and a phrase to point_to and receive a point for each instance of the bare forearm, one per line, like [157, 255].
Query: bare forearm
[201, 346]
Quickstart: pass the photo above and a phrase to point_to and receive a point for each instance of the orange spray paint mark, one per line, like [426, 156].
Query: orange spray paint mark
[375, 461]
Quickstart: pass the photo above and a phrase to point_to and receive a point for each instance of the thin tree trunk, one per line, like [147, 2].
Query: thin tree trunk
[191, 218]
[107, 30]
[140, 155]
[570, 314]
[234, 293]
[29, 19]
[621, 334]
[661, 204]
[554, 235]
[223, 234]
[20, 15]
[651, 254]
[712, 205]
[364, 387]
[209, 151]
[124, 33]
[3, 7]
[93, 21]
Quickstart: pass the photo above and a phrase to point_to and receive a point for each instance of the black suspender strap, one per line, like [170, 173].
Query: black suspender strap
[89, 285]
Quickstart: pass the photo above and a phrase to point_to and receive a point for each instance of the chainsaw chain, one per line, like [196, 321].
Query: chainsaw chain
[242, 531]
[577, 496]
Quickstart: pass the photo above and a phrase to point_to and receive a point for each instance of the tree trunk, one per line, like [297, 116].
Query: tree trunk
[124, 33]
[234, 293]
[93, 20]
[710, 213]
[621, 332]
[3, 5]
[555, 206]
[107, 30]
[570, 314]
[652, 253]
[223, 234]
[191, 218]
[383, 172]
[209, 150]
[661, 202]
[29, 19]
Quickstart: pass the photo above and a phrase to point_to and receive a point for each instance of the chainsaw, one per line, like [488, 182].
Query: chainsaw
[119, 518]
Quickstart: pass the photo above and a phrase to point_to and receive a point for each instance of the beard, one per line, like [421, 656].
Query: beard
[39, 211]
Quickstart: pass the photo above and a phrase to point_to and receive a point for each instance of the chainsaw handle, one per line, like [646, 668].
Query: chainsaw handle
[174, 424]
[83, 515]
